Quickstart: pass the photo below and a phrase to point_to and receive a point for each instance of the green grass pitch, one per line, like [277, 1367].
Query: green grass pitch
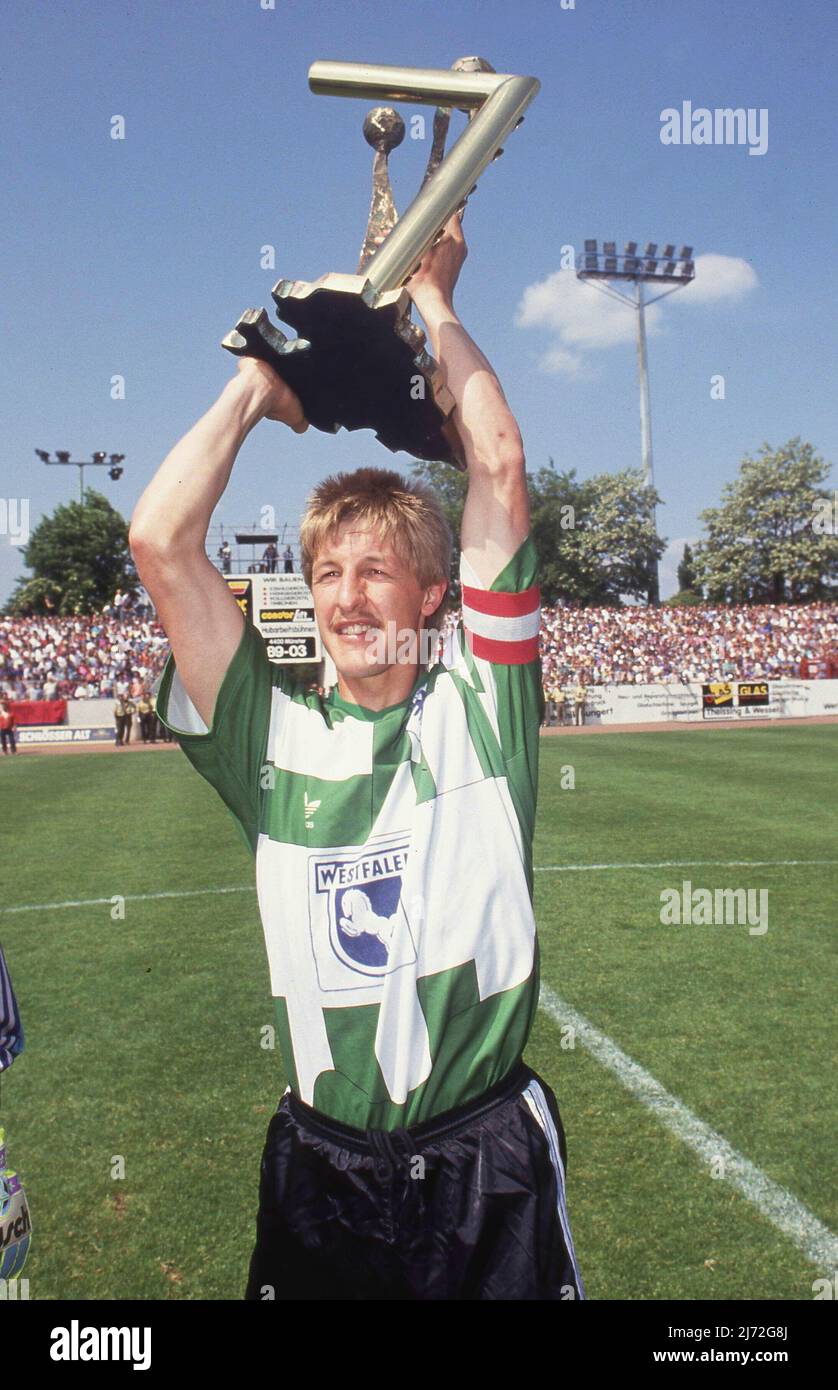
[143, 1033]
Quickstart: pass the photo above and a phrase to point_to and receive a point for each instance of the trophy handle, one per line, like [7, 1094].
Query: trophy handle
[384, 130]
[497, 102]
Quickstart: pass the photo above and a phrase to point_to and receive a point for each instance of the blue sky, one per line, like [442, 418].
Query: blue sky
[135, 257]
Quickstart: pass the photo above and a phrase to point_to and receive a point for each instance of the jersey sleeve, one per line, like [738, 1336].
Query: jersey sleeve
[11, 1028]
[231, 753]
[499, 643]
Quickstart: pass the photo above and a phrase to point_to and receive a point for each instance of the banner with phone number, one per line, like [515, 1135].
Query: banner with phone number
[282, 608]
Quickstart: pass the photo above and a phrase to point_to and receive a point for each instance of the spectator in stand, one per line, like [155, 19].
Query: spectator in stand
[145, 710]
[553, 694]
[579, 697]
[225, 555]
[548, 704]
[288, 557]
[270, 555]
[7, 728]
[123, 713]
[559, 702]
[143, 607]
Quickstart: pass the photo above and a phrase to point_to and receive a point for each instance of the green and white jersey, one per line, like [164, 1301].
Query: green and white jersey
[393, 856]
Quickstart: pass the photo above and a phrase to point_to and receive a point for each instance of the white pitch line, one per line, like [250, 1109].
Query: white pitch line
[775, 1203]
[539, 869]
[126, 897]
[779, 1206]
[686, 864]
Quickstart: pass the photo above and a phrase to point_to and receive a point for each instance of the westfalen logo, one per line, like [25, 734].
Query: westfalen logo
[361, 928]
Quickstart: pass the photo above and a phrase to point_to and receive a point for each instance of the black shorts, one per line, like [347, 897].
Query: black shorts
[470, 1205]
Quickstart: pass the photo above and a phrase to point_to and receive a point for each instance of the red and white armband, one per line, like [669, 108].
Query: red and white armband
[502, 628]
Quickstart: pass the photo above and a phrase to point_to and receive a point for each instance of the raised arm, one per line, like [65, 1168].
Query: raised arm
[202, 620]
[496, 518]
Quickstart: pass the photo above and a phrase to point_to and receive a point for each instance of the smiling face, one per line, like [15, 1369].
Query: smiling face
[363, 589]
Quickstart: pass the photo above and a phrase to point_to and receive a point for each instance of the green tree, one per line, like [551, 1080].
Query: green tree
[686, 571]
[450, 486]
[685, 598]
[594, 538]
[620, 535]
[560, 507]
[689, 591]
[79, 557]
[762, 544]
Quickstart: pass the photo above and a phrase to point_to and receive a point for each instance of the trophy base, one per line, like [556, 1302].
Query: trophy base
[355, 367]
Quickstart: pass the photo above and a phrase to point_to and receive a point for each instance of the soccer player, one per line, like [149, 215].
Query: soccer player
[414, 1154]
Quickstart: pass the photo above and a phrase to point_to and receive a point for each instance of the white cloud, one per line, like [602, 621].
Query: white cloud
[582, 316]
[585, 319]
[562, 361]
[719, 277]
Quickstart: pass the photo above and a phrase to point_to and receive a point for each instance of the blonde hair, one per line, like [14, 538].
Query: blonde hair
[402, 511]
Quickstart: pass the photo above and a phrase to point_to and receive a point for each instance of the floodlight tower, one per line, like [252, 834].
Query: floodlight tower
[602, 269]
[98, 460]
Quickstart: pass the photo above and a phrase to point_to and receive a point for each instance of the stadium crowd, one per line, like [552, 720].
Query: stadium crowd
[120, 652]
[644, 646]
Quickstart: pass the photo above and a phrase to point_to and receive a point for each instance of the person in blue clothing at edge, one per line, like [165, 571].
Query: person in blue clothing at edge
[15, 1221]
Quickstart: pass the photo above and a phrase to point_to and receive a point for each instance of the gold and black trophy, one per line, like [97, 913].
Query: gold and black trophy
[358, 361]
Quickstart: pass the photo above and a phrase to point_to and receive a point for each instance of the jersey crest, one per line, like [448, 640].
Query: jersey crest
[360, 930]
